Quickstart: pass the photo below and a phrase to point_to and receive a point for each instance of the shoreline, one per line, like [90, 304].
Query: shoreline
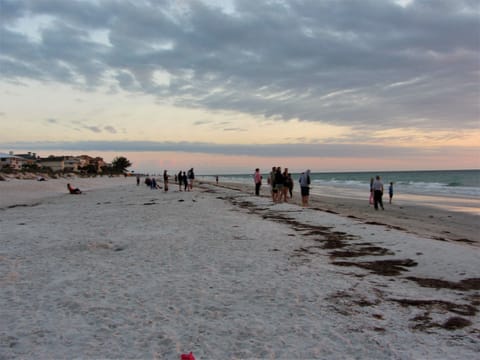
[427, 221]
[446, 202]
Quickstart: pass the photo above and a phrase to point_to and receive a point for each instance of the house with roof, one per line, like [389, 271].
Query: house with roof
[55, 163]
[72, 163]
[31, 158]
[11, 161]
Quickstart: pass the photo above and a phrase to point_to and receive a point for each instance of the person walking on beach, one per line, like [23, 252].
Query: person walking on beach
[377, 192]
[305, 187]
[390, 192]
[257, 179]
[138, 180]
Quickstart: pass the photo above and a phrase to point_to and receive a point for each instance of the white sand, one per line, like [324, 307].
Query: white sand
[21, 192]
[129, 272]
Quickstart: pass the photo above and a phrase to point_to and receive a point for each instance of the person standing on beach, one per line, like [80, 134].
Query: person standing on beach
[290, 184]
[390, 192]
[180, 180]
[279, 184]
[271, 181]
[377, 193]
[138, 180]
[257, 178]
[370, 200]
[191, 177]
[165, 180]
[305, 187]
[287, 179]
[185, 181]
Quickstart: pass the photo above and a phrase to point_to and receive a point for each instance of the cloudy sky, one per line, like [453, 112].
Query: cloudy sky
[229, 85]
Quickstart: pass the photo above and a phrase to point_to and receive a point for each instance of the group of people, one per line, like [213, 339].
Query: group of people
[281, 187]
[281, 184]
[151, 182]
[183, 179]
[376, 192]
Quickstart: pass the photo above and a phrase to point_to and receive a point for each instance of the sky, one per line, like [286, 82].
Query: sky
[226, 86]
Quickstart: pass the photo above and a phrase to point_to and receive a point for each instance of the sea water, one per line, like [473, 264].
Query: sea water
[457, 190]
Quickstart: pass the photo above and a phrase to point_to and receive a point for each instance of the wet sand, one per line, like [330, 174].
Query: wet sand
[427, 221]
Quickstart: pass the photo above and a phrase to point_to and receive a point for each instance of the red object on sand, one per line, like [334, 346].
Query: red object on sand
[187, 356]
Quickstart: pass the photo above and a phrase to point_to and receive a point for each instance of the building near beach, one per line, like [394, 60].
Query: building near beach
[63, 163]
[11, 161]
[31, 157]
[56, 163]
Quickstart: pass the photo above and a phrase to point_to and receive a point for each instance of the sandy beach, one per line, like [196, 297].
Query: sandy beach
[123, 271]
[417, 218]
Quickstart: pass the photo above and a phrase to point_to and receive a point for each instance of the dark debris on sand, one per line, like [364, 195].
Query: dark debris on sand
[343, 245]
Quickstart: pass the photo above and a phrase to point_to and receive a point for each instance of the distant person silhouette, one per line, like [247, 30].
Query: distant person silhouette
[257, 178]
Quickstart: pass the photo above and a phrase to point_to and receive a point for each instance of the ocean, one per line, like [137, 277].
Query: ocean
[457, 190]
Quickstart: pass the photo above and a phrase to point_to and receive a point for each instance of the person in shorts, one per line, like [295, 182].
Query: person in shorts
[305, 187]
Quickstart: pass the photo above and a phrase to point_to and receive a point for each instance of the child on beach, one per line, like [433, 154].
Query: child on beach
[390, 192]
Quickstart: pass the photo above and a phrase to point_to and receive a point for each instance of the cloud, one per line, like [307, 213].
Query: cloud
[365, 64]
[94, 129]
[309, 150]
[110, 129]
[201, 122]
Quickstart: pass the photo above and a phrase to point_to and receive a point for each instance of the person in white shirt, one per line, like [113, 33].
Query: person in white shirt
[377, 193]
